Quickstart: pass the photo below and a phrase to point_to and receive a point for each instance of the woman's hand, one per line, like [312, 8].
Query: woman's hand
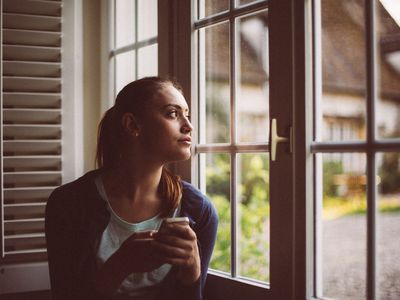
[177, 245]
[137, 254]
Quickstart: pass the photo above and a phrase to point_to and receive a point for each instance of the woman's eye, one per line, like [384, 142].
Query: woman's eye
[188, 117]
[173, 114]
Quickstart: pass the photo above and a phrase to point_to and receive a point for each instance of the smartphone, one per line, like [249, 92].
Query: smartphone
[145, 235]
[166, 221]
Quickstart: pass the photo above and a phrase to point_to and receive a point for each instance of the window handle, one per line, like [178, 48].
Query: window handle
[276, 139]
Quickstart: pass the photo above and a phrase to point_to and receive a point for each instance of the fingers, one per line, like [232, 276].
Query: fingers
[172, 255]
[177, 251]
[180, 230]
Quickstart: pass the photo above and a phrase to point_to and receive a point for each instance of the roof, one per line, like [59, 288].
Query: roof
[343, 48]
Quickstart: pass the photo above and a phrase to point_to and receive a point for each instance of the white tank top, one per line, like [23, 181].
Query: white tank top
[136, 285]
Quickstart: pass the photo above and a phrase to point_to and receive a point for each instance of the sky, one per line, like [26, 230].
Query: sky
[393, 7]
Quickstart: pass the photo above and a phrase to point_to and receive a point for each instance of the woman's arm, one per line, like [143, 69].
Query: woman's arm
[190, 251]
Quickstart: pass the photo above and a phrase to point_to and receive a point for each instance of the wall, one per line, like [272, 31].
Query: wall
[91, 80]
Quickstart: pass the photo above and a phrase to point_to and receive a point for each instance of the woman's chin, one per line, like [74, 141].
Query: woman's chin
[182, 155]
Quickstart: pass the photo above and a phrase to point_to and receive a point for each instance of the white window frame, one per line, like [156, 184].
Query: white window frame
[109, 51]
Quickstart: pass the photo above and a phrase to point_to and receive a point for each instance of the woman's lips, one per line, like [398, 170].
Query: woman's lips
[185, 141]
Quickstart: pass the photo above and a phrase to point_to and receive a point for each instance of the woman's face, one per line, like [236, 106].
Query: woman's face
[165, 127]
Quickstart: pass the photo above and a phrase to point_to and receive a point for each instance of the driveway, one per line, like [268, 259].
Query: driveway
[344, 257]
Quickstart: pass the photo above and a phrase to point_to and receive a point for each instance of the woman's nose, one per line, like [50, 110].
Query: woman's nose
[187, 127]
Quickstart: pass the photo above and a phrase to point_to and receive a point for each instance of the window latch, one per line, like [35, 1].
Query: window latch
[276, 139]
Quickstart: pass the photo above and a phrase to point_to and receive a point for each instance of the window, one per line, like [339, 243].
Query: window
[133, 50]
[357, 149]
[233, 120]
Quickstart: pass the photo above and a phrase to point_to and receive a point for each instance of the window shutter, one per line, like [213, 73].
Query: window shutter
[31, 140]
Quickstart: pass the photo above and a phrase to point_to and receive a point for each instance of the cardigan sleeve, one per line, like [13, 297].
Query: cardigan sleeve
[68, 248]
[206, 231]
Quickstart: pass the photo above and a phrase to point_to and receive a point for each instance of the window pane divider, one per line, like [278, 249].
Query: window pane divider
[233, 78]
[134, 46]
[231, 14]
[371, 55]
[136, 39]
[356, 146]
[238, 148]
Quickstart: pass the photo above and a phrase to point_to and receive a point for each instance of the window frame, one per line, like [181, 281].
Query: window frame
[111, 52]
[371, 146]
[291, 274]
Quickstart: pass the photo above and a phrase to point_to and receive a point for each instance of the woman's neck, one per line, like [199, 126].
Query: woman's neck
[133, 192]
[135, 183]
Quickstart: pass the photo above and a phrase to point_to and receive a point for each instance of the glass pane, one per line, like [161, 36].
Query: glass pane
[253, 213]
[343, 71]
[253, 89]
[341, 236]
[388, 229]
[147, 19]
[124, 69]
[214, 84]
[388, 106]
[215, 173]
[124, 22]
[243, 2]
[211, 7]
[148, 61]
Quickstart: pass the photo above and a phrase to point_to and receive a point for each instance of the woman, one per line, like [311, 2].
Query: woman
[101, 229]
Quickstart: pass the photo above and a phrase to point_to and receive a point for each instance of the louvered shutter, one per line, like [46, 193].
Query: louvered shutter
[31, 140]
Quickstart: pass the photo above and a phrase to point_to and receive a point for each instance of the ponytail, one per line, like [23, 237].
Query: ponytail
[170, 189]
[108, 152]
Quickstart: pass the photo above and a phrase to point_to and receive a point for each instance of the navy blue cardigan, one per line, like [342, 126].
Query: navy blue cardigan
[76, 217]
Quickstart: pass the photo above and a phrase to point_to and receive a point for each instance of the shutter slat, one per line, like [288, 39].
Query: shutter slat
[32, 147]
[31, 69]
[31, 100]
[25, 242]
[47, 8]
[28, 179]
[31, 37]
[25, 253]
[32, 225]
[23, 132]
[24, 211]
[31, 84]
[32, 116]
[32, 163]
[27, 195]
[31, 53]
[31, 22]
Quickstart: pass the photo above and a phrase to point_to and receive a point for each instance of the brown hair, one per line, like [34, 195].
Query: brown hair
[111, 138]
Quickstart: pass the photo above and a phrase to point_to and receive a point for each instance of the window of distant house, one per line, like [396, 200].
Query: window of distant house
[232, 163]
[357, 150]
[133, 41]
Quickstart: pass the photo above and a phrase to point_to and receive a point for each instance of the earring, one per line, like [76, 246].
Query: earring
[136, 134]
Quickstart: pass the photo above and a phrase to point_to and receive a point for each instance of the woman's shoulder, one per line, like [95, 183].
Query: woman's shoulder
[80, 184]
[70, 195]
[196, 205]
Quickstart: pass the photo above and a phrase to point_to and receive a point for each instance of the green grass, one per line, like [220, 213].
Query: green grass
[335, 207]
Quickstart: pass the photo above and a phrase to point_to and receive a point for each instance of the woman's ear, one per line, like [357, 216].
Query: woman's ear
[130, 124]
